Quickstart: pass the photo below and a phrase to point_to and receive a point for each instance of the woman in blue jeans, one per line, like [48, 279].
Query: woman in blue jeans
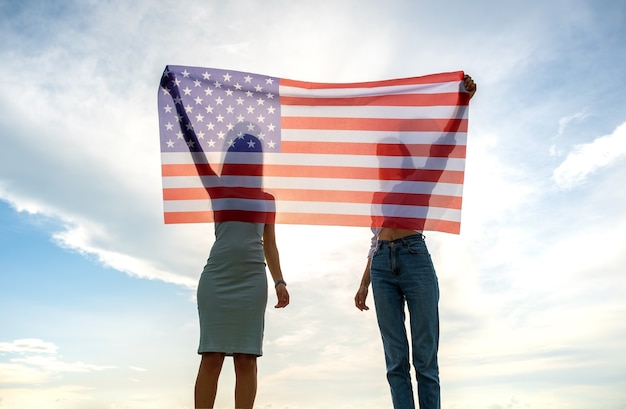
[401, 272]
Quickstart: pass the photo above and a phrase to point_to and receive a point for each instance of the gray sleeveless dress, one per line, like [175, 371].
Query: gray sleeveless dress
[232, 292]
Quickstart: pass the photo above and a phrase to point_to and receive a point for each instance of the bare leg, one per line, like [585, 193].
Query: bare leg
[206, 382]
[246, 380]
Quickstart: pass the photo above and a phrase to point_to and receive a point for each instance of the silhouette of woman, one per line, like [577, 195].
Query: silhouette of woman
[232, 290]
[401, 272]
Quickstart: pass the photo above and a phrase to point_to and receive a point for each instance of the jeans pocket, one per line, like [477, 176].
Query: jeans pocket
[416, 247]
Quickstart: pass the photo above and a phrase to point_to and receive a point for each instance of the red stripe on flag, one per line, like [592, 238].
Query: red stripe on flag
[312, 195]
[425, 79]
[208, 216]
[375, 124]
[443, 99]
[188, 217]
[332, 172]
[374, 149]
[446, 226]
[325, 220]
[220, 192]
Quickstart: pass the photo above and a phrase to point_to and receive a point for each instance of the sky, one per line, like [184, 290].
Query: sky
[97, 307]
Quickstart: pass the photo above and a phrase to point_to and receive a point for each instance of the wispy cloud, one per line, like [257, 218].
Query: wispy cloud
[137, 369]
[587, 159]
[54, 364]
[28, 345]
[563, 123]
[566, 120]
[37, 362]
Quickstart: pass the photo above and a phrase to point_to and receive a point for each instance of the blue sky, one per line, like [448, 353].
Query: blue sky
[97, 304]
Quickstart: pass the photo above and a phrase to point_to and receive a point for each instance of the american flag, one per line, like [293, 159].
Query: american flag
[243, 146]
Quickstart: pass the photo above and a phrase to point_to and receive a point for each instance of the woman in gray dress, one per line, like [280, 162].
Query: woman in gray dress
[232, 291]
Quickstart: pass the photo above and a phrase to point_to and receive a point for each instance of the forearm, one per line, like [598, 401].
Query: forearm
[365, 280]
[361, 294]
[272, 259]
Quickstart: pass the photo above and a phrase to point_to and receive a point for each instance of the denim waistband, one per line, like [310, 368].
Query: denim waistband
[402, 240]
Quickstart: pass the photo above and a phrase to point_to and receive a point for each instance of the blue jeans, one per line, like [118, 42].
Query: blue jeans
[402, 272]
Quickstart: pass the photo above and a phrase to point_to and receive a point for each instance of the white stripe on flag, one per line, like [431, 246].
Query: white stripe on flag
[302, 159]
[314, 208]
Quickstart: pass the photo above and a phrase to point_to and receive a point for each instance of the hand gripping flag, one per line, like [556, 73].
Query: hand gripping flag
[249, 147]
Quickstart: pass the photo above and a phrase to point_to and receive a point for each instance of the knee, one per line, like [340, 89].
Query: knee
[211, 361]
[245, 363]
[399, 367]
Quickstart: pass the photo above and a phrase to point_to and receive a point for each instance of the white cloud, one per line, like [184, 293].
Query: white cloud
[296, 338]
[11, 373]
[32, 345]
[587, 159]
[53, 364]
[137, 369]
[37, 363]
[564, 123]
[566, 120]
